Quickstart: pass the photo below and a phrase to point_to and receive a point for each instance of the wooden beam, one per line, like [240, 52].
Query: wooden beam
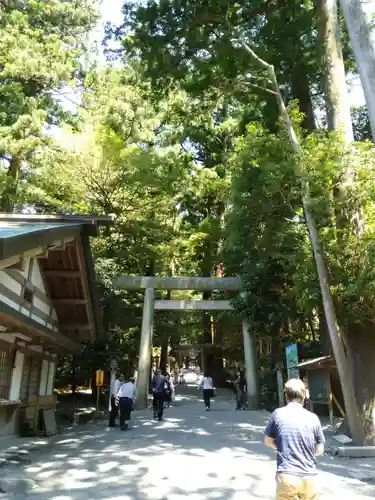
[86, 287]
[79, 219]
[195, 305]
[185, 283]
[29, 326]
[57, 245]
[70, 301]
[17, 261]
[65, 273]
[69, 327]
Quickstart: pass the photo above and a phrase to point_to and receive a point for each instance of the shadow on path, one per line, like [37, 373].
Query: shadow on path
[203, 455]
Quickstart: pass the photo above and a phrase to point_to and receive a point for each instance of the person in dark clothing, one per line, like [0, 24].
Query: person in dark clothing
[241, 388]
[125, 399]
[160, 388]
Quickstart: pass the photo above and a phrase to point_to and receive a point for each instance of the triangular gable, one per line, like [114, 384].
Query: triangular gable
[24, 290]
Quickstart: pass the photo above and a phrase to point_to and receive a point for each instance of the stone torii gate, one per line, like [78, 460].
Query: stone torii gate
[150, 284]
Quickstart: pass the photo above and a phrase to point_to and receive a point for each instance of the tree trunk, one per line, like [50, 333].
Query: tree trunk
[361, 346]
[163, 363]
[323, 333]
[343, 362]
[301, 91]
[338, 112]
[334, 78]
[74, 375]
[9, 196]
[364, 51]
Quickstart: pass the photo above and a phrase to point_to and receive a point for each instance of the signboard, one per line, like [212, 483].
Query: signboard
[99, 379]
[319, 386]
[291, 352]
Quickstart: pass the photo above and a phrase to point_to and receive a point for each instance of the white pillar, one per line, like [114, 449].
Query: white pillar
[51, 378]
[16, 376]
[112, 378]
[145, 350]
[43, 378]
[250, 366]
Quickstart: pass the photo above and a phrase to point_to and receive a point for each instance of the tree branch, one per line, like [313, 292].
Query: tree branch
[259, 87]
[250, 51]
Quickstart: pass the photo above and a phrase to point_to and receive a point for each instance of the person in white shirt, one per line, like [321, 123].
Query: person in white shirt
[171, 390]
[115, 386]
[126, 398]
[208, 390]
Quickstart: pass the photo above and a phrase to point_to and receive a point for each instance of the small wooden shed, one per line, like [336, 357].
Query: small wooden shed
[324, 385]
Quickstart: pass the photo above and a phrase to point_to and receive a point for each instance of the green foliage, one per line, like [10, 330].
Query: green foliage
[41, 49]
[267, 240]
[361, 124]
[182, 144]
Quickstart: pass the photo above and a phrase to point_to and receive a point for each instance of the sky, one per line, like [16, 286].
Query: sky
[111, 12]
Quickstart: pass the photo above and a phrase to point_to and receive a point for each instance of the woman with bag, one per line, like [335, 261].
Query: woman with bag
[170, 394]
[208, 390]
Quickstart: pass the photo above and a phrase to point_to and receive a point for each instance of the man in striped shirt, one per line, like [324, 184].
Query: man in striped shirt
[297, 436]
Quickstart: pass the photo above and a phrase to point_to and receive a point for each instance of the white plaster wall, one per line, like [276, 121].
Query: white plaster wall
[16, 376]
[9, 282]
[37, 281]
[51, 378]
[11, 285]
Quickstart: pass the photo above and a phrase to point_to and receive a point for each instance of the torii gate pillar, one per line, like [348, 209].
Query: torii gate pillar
[250, 366]
[144, 363]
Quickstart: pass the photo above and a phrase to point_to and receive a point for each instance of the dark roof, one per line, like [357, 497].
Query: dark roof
[19, 233]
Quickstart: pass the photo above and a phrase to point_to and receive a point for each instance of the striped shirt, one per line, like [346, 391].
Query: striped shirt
[297, 431]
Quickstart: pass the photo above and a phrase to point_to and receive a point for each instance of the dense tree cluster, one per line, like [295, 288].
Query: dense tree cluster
[182, 139]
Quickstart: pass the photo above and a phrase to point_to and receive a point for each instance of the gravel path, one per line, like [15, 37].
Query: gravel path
[216, 455]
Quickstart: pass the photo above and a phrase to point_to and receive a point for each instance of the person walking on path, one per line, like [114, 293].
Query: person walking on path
[125, 398]
[171, 391]
[115, 386]
[240, 388]
[207, 385]
[160, 388]
[297, 436]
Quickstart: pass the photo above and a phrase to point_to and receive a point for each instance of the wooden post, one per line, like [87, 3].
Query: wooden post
[97, 398]
[99, 382]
